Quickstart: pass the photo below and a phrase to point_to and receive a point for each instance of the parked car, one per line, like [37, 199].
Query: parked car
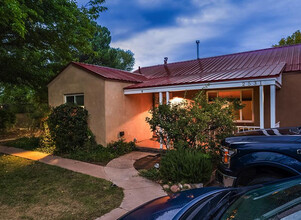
[260, 156]
[278, 200]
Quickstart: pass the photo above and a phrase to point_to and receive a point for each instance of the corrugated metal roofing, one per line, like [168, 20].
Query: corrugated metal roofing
[225, 75]
[245, 65]
[111, 73]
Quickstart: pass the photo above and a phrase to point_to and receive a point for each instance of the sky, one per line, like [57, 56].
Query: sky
[154, 29]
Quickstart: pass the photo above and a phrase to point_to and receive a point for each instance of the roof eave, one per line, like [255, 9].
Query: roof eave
[250, 82]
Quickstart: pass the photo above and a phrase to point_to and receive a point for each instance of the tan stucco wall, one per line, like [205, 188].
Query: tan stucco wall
[126, 113]
[75, 80]
[288, 100]
[112, 112]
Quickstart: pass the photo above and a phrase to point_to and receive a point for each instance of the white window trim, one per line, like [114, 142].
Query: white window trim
[240, 111]
[74, 95]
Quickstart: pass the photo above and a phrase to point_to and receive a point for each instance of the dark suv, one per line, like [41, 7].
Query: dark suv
[260, 156]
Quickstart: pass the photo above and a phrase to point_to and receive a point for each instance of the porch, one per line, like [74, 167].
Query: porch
[258, 97]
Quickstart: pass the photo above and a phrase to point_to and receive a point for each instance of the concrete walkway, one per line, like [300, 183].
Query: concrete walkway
[120, 171]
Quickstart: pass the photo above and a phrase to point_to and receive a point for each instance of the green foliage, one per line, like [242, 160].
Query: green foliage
[39, 37]
[102, 155]
[295, 38]
[152, 174]
[185, 165]
[46, 143]
[92, 152]
[198, 125]
[7, 119]
[104, 55]
[121, 147]
[26, 143]
[23, 99]
[69, 128]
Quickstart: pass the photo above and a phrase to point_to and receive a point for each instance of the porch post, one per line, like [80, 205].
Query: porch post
[167, 98]
[167, 102]
[261, 106]
[160, 103]
[273, 105]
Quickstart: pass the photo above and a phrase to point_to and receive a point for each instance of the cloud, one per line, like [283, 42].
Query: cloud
[152, 45]
[153, 29]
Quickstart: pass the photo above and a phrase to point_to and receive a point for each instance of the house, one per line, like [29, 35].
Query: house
[267, 81]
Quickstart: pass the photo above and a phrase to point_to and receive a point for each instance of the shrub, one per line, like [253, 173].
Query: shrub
[152, 174]
[7, 119]
[121, 147]
[27, 143]
[185, 165]
[46, 144]
[69, 128]
[198, 124]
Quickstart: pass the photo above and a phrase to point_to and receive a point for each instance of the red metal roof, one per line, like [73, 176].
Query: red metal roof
[246, 65]
[225, 75]
[111, 73]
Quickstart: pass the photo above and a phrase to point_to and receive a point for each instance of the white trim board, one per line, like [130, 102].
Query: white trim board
[215, 85]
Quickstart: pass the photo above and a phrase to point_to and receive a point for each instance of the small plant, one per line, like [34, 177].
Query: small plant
[152, 174]
[121, 147]
[185, 165]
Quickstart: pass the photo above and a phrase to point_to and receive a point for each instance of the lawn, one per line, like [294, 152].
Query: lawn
[32, 190]
[98, 155]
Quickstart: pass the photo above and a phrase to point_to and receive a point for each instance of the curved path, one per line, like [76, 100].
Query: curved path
[120, 171]
[137, 190]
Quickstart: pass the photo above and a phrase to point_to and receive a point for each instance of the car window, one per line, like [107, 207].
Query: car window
[268, 202]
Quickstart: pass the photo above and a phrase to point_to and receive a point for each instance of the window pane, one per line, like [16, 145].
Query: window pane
[247, 102]
[70, 99]
[212, 96]
[80, 99]
[229, 94]
[247, 95]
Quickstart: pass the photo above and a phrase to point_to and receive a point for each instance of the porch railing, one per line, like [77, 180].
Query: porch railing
[246, 128]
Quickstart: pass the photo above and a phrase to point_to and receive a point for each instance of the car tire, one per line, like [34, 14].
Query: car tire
[264, 179]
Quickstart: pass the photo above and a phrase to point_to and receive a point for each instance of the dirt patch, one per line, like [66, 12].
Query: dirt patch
[147, 162]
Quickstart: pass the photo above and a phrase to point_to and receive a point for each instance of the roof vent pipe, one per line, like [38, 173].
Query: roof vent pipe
[165, 60]
[198, 49]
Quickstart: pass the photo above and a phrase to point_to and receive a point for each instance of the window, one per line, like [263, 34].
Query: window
[75, 98]
[246, 98]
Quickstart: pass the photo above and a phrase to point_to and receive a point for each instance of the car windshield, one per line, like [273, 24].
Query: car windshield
[277, 201]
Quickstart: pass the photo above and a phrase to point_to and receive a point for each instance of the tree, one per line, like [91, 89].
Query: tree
[39, 37]
[295, 38]
[196, 125]
[104, 55]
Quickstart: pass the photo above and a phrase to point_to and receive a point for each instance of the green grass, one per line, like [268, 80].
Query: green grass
[29, 143]
[32, 190]
[97, 155]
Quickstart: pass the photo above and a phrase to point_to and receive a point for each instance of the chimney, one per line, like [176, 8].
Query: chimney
[165, 60]
[197, 49]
